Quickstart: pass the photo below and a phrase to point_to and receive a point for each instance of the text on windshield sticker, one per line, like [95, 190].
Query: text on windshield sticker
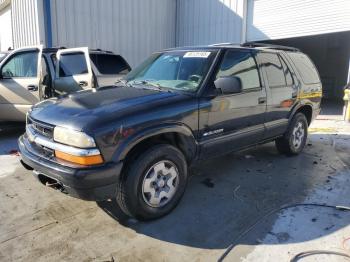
[197, 54]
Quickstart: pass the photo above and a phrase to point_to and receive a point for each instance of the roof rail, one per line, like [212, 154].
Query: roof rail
[227, 43]
[53, 49]
[100, 50]
[271, 46]
[57, 47]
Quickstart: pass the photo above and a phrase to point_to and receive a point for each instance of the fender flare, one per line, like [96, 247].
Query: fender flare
[125, 147]
[297, 107]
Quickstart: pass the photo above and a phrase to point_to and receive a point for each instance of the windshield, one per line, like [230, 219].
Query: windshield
[178, 70]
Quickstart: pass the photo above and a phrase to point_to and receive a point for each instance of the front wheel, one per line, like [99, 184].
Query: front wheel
[294, 140]
[154, 183]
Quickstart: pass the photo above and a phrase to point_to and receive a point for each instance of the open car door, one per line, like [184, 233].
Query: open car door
[19, 82]
[73, 70]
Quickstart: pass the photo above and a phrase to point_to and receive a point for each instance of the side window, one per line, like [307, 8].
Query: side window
[287, 73]
[110, 64]
[273, 68]
[242, 65]
[305, 67]
[72, 64]
[24, 64]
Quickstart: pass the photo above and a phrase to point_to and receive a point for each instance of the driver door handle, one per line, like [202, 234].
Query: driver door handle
[83, 83]
[32, 88]
[262, 100]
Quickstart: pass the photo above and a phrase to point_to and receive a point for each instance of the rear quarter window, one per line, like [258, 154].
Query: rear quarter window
[108, 64]
[305, 67]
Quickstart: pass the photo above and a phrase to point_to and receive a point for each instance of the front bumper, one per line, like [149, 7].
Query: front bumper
[89, 183]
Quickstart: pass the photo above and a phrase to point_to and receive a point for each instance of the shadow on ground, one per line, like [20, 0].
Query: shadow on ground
[226, 195]
[8, 138]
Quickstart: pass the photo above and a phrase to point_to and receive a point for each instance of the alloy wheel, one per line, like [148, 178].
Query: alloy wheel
[160, 183]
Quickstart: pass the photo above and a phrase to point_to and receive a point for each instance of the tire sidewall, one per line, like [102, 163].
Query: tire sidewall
[138, 171]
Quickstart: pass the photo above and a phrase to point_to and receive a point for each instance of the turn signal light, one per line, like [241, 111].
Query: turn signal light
[81, 160]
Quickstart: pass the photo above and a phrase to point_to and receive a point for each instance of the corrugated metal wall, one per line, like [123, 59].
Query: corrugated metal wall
[27, 22]
[201, 22]
[5, 27]
[276, 19]
[133, 28]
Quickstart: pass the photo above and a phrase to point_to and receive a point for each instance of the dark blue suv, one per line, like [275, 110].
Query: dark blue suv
[134, 141]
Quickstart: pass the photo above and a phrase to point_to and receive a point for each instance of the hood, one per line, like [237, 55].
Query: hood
[93, 107]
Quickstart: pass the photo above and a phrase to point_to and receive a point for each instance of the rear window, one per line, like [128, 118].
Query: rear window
[305, 67]
[110, 64]
[72, 64]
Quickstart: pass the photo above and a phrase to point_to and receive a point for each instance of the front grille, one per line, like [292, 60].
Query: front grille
[48, 153]
[37, 128]
[41, 128]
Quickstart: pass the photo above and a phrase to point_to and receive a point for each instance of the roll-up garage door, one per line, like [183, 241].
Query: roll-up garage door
[277, 19]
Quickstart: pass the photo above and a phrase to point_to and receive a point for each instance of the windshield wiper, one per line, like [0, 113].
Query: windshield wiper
[144, 82]
[150, 83]
[121, 81]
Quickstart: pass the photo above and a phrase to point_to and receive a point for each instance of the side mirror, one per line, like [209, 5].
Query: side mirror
[229, 84]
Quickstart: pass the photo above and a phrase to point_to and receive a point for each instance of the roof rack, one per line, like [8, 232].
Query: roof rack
[271, 46]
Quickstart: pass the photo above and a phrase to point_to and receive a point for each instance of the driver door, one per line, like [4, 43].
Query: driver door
[230, 122]
[73, 70]
[19, 83]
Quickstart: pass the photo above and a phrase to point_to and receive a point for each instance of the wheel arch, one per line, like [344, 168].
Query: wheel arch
[177, 135]
[306, 109]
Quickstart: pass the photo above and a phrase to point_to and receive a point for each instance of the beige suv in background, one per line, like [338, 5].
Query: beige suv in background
[31, 74]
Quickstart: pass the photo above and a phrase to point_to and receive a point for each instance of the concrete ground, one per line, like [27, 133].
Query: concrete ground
[224, 197]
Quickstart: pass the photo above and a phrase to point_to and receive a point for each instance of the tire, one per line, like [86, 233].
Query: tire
[143, 195]
[289, 144]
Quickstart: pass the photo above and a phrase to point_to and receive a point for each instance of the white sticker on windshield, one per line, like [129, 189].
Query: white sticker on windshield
[197, 54]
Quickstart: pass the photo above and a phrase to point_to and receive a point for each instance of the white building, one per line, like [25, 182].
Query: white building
[136, 28]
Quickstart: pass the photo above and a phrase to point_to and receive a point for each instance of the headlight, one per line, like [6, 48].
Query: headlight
[73, 138]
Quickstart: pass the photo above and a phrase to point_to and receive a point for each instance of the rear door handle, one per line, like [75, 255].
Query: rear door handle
[262, 100]
[32, 88]
[83, 83]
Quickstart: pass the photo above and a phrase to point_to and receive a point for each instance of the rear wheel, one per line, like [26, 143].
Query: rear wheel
[294, 140]
[153, 183]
